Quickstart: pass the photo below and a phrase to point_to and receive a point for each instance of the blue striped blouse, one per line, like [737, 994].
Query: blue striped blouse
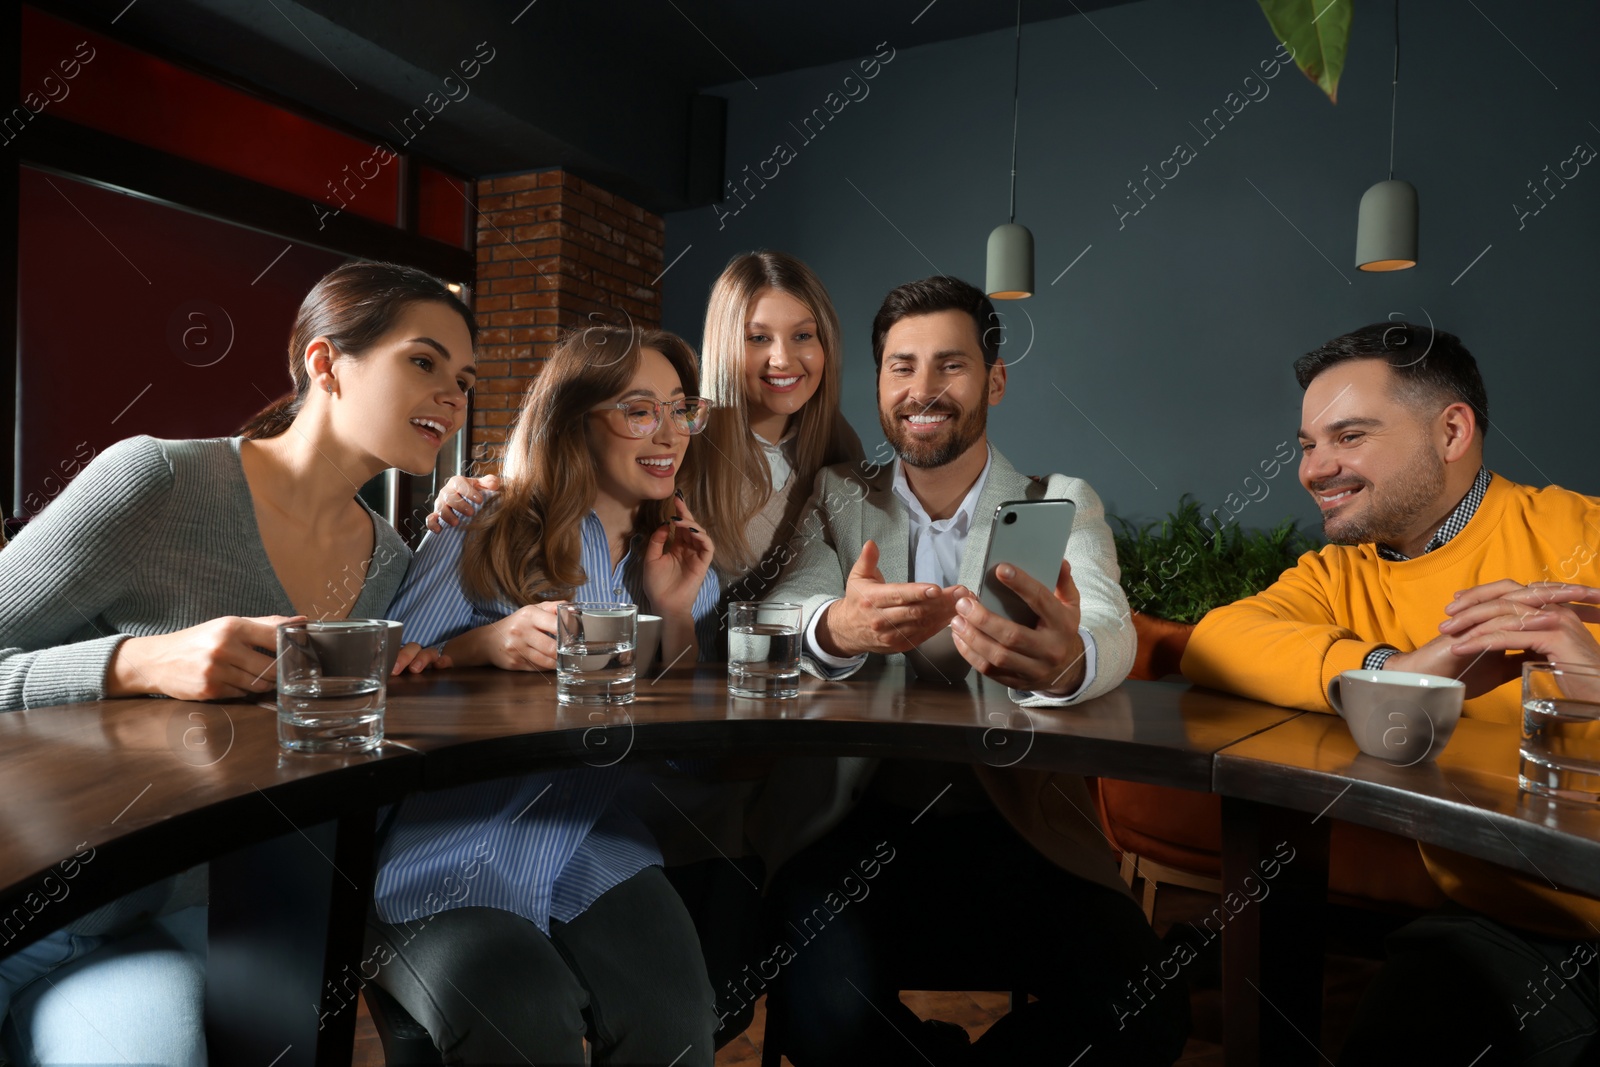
[540, 845]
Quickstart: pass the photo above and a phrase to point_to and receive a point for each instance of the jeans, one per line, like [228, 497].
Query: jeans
[133, 998]
[491, 988]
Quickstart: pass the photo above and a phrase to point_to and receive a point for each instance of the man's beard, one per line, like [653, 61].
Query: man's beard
[1389, 514]
[957, 435]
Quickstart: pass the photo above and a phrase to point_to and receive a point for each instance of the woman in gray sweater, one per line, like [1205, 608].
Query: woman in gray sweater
[165, 567]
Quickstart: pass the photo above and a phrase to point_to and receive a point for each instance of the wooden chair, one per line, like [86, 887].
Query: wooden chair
[1173, 836]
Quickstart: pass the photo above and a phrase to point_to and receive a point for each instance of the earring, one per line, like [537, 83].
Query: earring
[327, 387]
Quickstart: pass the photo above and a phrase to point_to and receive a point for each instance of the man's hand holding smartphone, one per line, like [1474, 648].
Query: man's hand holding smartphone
[1047, 657]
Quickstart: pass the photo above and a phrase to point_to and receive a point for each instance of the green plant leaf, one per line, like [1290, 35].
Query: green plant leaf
[1195, 560]
[1317, 33]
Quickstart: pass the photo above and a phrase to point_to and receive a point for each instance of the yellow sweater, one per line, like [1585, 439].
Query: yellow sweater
[1327, 612]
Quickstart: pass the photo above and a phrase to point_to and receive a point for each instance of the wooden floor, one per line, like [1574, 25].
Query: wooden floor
[1353, 959]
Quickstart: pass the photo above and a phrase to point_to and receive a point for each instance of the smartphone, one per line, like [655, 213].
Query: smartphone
[1031, 535]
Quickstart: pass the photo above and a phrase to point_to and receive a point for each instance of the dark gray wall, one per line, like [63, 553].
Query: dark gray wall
[1173, 335]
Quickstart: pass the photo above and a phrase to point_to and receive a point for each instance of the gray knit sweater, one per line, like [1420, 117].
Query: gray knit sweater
[154, 536]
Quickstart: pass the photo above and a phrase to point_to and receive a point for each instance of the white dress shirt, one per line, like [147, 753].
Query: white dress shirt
[937, 546]
[778, 458]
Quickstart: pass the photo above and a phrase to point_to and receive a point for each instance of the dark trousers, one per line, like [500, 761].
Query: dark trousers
[723, 897]
[1458, 987]
[492, 989]
[962, 901]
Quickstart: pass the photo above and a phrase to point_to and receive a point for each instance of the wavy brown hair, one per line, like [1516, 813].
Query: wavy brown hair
[353, 306]
[740, 483]
[526, 544]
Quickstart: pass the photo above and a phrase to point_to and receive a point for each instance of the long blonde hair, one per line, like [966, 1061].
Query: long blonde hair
[739, 484]
[526, 544]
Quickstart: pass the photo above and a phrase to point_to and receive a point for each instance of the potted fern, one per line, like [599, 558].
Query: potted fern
[1177, 569]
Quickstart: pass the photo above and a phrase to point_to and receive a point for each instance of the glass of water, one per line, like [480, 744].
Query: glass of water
[332, 681]
[763, 649]
[595, 653]
[1560, 731]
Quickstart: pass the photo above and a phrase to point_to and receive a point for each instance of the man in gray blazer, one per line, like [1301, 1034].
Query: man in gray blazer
[979, 876]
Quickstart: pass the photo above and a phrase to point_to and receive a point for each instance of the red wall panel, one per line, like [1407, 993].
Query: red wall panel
[442, 207]
[122, 91]
[140, 318]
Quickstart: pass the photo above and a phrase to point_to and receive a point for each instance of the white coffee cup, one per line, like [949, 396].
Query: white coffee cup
[646, 642]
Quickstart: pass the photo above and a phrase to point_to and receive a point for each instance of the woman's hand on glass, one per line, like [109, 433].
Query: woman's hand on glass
[525, 640]
[217, 660]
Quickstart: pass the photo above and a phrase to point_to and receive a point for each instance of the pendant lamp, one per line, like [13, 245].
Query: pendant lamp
[1386, 232]
[1010, 262]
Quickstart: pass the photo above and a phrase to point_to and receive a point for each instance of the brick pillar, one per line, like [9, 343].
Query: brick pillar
[554, 251]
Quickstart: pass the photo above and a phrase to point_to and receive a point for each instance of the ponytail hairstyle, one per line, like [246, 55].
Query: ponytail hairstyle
[525, 546]
[352, 306]
[736, 489]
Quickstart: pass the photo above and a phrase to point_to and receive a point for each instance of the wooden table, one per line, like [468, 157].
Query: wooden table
[1281, 785]
[477, 724]
[1466, 799]
[143, 789]
[156, 786]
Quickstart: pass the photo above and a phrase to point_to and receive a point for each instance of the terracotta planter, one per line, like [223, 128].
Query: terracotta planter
[1161, 645]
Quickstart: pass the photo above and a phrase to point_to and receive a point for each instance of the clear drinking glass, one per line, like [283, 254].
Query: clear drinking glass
[332, 685]
[595, 653]
[763, 649]
[1560, 732]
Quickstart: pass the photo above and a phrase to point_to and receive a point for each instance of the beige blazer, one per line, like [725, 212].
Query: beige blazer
[804, 798]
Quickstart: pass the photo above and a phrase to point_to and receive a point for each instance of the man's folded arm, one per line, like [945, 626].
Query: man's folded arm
[1282, 645]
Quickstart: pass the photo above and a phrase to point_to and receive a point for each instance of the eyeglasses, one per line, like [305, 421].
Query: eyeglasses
[642, 417]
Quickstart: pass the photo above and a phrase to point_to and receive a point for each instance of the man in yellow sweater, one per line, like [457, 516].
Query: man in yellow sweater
[1438, 566]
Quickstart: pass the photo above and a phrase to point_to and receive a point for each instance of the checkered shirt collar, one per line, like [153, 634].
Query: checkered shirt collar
[1453, 524]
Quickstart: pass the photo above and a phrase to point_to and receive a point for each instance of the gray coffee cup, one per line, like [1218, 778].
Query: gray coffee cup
[1398, 716]
[396, 632]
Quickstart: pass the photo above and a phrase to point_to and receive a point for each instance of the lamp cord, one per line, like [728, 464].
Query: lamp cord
[1394, 89]
[1016, 101]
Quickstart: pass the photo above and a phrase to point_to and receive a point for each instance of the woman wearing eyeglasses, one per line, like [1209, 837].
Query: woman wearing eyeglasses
[772, 365]
[519, 917]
